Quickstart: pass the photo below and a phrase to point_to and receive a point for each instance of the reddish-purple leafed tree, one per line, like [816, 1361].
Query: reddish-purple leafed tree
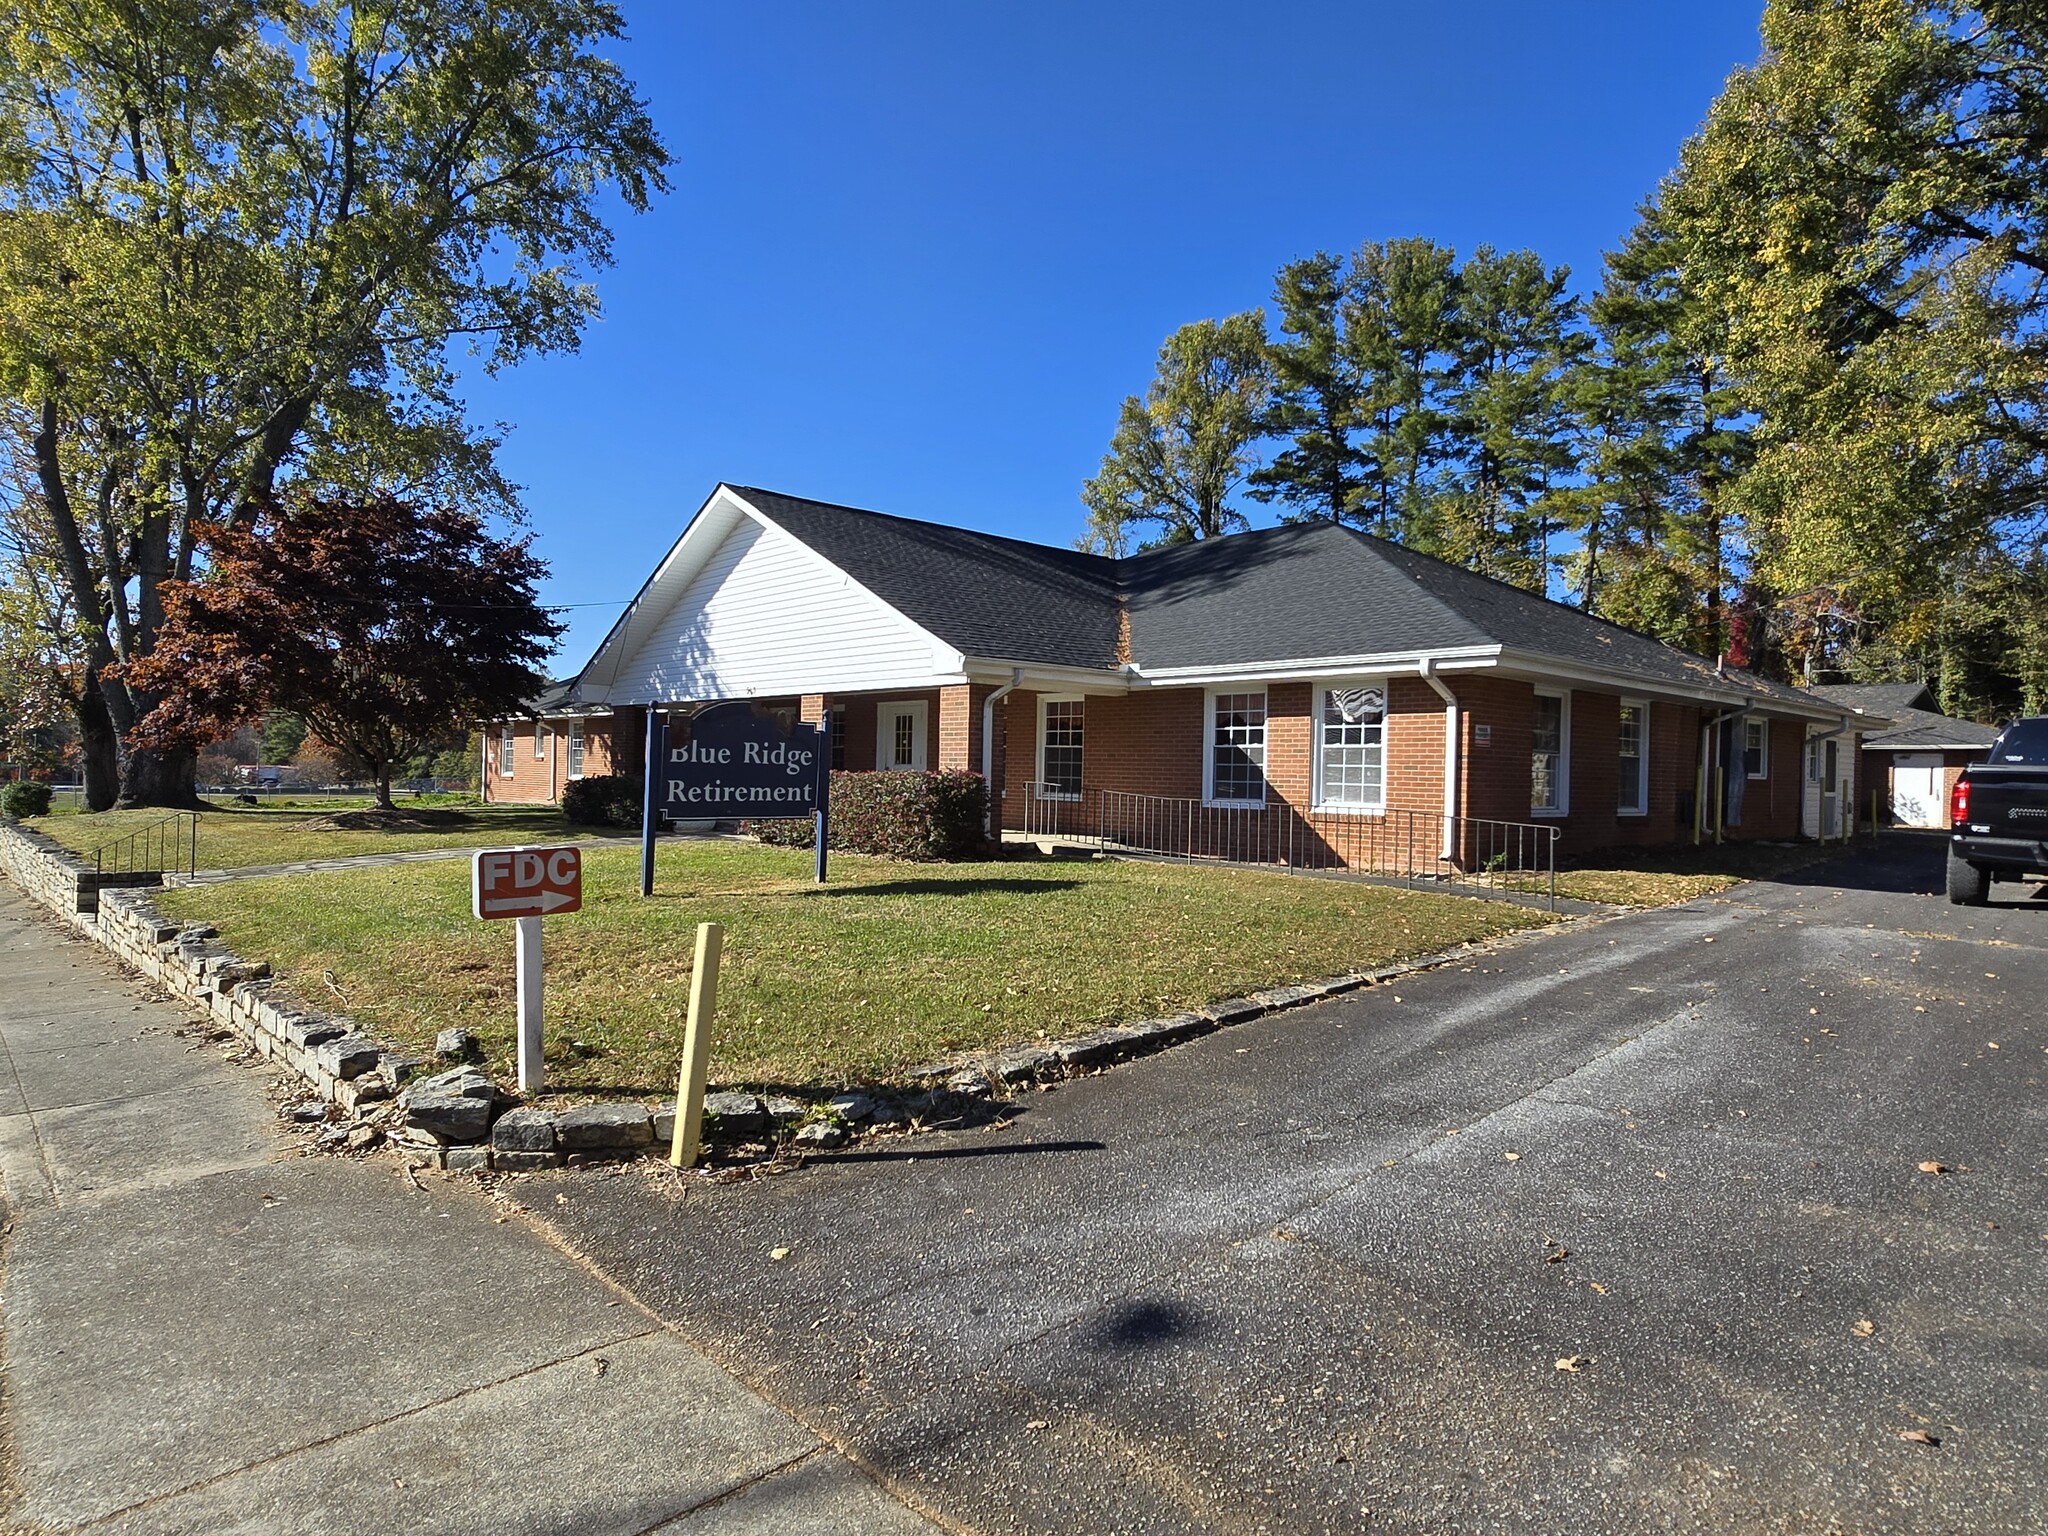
[383, 623]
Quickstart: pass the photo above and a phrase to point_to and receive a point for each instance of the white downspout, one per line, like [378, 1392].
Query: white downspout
[1845, 799]
[988, 750]
[1451, 733]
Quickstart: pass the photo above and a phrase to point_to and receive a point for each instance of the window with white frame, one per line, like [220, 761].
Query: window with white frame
[1059, 749]
[540, 740]
[508, 743]
[839, 739]
[1351, 723]
[1550, 760]
[1632, 791]
[1236, 766]
[575, 749]
[1756, 748]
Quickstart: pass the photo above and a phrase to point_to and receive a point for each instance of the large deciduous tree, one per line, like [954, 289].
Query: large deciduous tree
[1866, 211]
[237, 241]
[1179, 454]
[384, 624]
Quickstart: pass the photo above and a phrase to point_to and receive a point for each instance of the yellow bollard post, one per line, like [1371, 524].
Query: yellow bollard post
[689, 1132]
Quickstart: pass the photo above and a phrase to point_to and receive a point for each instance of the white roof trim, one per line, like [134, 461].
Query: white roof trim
[1620, 680]
[1457, 658]
[679, 567]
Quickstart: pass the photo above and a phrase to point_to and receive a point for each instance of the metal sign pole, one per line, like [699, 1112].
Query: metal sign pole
[823, 820]
[650, 766]
[526, 950]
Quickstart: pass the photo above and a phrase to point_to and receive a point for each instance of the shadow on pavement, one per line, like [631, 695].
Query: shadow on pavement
[932, 1154]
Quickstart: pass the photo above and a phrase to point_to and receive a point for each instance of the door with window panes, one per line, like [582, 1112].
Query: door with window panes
[900, 736]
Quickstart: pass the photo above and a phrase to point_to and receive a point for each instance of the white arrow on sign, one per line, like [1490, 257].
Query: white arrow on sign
[544, 901]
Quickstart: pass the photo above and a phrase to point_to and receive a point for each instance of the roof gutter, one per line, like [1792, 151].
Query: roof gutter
[988, 750]
[1452, 733]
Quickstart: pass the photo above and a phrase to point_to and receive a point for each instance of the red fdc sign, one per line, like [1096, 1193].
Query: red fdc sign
[526, 882]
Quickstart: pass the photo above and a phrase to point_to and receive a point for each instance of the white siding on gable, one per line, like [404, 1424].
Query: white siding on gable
[766, 617]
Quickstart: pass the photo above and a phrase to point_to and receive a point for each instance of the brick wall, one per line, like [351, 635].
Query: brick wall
[539, 780]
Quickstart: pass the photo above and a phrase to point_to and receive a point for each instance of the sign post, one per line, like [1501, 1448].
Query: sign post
[526, 884]
[737, 760]
[657, 749]
[823, 821]
[689, 1132]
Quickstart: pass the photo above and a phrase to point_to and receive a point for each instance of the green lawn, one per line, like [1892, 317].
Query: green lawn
[237, 837]
[888, 966]
[1655, 877]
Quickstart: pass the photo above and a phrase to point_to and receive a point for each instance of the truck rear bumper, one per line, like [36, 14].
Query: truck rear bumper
[2003, 855]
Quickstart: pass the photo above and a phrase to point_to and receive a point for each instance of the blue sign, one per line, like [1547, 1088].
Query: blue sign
[742, 760]
[737, 760]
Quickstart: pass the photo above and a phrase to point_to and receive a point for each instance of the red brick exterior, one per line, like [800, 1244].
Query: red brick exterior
[1875, 773]
[1153, 743]
[540, 780]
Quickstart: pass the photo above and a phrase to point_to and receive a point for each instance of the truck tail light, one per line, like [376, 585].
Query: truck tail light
[1959, 803]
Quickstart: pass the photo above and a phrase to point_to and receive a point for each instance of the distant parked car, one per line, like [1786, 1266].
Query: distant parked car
[1998, 814]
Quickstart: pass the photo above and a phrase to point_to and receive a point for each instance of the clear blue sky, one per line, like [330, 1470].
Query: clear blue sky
[917, 253]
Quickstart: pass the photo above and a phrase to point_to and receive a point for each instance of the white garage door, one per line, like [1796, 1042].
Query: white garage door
[1916, 791]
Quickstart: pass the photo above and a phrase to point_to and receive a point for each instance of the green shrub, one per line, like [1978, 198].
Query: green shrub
[604, 800]
[927, 817]
[25, 799]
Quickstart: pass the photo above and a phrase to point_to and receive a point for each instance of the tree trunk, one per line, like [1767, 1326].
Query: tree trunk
[99, 745]
[384, 787]
[159, 778]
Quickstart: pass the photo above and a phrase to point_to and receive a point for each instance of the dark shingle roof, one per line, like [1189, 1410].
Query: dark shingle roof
[983, 595]
[1308, 590]
[1295, 593]
[1916, 726]
[1878, 698]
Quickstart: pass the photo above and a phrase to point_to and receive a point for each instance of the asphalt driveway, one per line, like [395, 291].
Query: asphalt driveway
[1619, 1228]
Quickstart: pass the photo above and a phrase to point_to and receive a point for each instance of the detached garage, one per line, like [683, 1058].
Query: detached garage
[1915, 762]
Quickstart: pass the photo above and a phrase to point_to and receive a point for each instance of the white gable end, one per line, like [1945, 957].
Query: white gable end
[765, 617]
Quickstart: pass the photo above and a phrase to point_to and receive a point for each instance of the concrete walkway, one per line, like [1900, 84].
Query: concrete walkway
[206, 1333]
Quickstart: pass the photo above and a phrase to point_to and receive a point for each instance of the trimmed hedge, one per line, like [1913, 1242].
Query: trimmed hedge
[928, 817]
[25, 798]
[604, 800]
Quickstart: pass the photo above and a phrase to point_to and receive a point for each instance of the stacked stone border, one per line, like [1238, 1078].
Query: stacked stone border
[460, 1120]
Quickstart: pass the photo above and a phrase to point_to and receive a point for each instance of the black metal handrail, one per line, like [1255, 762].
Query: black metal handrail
[166, 847]
[1422, 848]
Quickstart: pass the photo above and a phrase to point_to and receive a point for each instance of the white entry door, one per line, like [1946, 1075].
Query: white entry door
[900, 736]
[1916, 790]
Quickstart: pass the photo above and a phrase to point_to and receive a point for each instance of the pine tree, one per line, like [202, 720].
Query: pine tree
[1316, 396]
[1401, 324]
[1508, 434]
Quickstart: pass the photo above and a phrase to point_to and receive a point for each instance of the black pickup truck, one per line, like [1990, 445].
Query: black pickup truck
[1998, 814]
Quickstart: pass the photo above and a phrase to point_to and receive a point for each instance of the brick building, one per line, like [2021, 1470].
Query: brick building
[1306, 694]
[1914, 762]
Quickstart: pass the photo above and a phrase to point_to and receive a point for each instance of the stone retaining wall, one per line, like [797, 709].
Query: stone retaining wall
[460, 1119]
[188, 961]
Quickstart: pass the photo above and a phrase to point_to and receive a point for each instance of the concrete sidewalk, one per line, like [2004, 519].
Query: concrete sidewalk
[205, 1333]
